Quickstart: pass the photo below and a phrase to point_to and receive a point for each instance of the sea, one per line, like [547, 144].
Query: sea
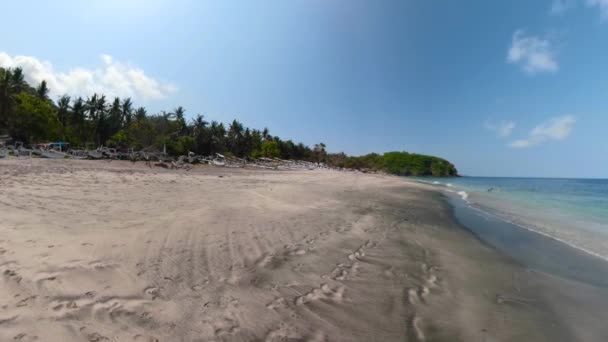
[570, 211]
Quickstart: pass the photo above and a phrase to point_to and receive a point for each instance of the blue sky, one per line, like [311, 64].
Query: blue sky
[500, 88]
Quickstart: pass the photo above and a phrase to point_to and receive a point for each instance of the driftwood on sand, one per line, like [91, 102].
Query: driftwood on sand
[153, 157]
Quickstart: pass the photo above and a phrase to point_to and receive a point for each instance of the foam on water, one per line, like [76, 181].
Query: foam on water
[574, 212]
[464, 195]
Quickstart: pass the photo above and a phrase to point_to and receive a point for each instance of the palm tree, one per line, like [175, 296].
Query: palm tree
[319, 151]
[140, 114]
[115, 117]
[5, 95]
[235, 137]
[102, 119]
[18, 79]
[96, 106]
[201, 135]
[179, 114]
[78, 120]
[63, 110]
[91, 107]
[256, 140]
[247, 143]
[164, 122]
[218, 137]
[198, 124]
[42, 91]
[11, 83]
[127, 112]
[266, 134]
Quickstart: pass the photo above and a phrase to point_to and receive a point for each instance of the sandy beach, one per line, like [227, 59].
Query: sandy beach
[115, 251]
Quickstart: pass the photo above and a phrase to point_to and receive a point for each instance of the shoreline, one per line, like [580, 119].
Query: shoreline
[503, 210]
[503, 230]
[94, 250]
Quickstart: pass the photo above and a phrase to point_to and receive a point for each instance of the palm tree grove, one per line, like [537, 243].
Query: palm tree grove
[29, 116]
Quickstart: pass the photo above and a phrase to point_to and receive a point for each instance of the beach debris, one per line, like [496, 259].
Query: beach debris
[152, 157]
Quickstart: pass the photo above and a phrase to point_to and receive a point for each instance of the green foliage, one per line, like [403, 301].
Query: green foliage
[319, 153]
[180, 146]
[28, 115]
[269, 149]
[399, 163]
[141, 134]
[42, 91]
[11, 83]
[119, 140]
[33, 119]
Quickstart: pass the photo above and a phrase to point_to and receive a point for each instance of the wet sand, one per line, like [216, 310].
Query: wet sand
[114, 251]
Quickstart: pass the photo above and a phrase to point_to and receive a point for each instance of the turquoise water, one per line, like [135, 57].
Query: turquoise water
[574, 211]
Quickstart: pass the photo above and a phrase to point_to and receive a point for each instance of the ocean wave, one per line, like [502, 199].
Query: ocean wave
[464, 195]
[517, 210]
[537, 230]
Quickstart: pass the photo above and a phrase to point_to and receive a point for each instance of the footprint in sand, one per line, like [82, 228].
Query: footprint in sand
[388, 272]
[417, 333]
[298, 251]
[268, 261]
[51, 278]
[416, 295]
[96, 337]
[143, 338]
[25, 301]
[19, 337]
[278, 303]
[152, 291]
[283, 333]
[8, 320]
[340, 272]
[12, 275]
[197, 287]
[322, 292]
[225, 326]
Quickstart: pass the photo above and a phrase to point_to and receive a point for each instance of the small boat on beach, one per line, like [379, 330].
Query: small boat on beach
[3, 149]
[78, 154]
[52, 150]
[20, 151]
[219, 160]
[93, 154]
[52, 154]
[110, 153]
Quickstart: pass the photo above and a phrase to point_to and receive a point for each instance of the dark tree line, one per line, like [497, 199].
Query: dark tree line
[396, 163]
[28, 115]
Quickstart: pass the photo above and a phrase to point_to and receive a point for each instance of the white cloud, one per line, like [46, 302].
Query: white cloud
[560, 6]
[503, 128]
[602, 5]
[532, 53]
[111, 78]
[558, 128]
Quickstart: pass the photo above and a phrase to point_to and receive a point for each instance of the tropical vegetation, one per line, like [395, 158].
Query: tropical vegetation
[397, 163]
[27, 114]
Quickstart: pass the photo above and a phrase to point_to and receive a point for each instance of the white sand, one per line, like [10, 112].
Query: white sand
[111, 251]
